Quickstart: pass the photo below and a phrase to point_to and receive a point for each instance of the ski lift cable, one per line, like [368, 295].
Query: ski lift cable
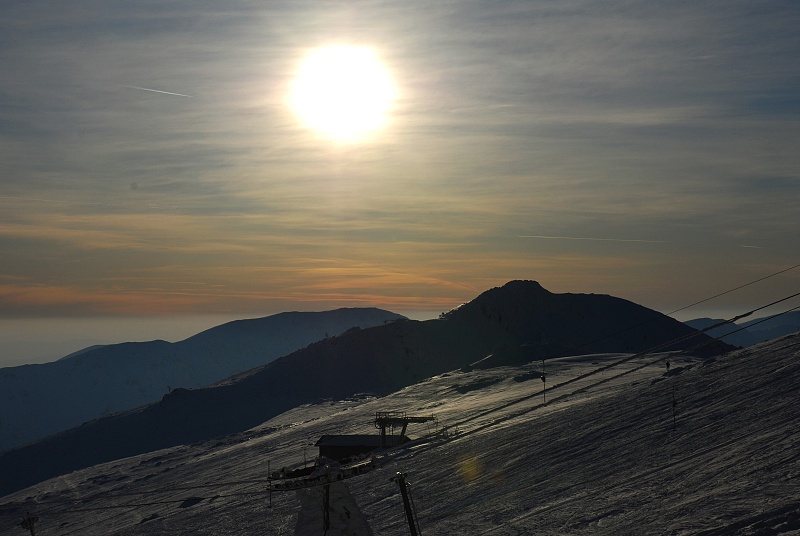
[413, 508]
[672, 342]
[755, 323]
[660, 468]
[644, 323]
[563, 395]
[593, 372]
[663, 357]
[743, 315]
[733, 289]
[572, 393]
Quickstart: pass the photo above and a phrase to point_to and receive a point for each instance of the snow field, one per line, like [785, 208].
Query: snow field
[602, 461]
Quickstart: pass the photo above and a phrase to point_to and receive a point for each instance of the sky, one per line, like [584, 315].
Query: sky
[153, 169]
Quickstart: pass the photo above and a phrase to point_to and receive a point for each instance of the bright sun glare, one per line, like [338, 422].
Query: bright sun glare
[344, 92]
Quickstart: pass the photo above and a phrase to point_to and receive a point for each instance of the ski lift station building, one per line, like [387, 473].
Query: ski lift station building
[341, 447]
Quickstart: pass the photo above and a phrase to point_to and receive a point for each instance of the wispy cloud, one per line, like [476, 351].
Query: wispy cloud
[157, 91]
[593, 239]
[590, 124]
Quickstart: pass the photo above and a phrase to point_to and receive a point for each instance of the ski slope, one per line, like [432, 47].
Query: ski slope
[603, 456]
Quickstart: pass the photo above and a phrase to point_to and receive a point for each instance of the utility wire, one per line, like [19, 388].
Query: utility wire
[755, 323]
[744, 315]
[734, 289]
[593, 372]
[637, 476]
[655, 317]
[663, 357]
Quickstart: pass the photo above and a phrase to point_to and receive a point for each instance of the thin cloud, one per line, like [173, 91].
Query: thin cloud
[511, 116]
[43, 200]
[594, 239]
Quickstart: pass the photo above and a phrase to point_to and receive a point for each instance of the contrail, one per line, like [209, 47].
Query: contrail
[593, 239]
[39, 199]
[73, 202]
[157, 91]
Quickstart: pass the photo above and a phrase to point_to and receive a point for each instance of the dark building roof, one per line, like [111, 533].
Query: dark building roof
[343, 447]
[360, 440]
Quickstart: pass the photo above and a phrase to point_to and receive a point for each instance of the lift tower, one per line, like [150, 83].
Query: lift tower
[393, 419]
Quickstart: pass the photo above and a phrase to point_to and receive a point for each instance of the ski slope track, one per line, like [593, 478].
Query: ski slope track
[606, 455]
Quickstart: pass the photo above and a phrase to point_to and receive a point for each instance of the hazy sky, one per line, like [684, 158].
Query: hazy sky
[647, 150]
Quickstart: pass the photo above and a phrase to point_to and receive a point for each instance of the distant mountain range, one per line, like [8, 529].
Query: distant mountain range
[516, 323]
[39, 400]
[751, 332]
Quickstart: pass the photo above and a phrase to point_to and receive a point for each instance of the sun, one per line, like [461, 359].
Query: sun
[343, 92]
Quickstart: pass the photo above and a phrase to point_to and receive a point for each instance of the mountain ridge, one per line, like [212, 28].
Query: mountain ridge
[379, 360]
[751, 332]
[113, 378]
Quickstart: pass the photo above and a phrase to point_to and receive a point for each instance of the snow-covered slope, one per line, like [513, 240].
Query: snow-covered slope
[605, 456]
[524, 322]
[38, 400]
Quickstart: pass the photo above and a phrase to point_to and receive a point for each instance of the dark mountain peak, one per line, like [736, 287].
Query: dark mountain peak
[524, 313]
[521, 285]
[516, 290]
[514, 299]
[512, 294]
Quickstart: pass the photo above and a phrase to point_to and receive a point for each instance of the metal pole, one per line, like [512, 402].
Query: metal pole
[326, 507]
[400, 478]
[674, 407]
[269, 483]
[544, 385]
